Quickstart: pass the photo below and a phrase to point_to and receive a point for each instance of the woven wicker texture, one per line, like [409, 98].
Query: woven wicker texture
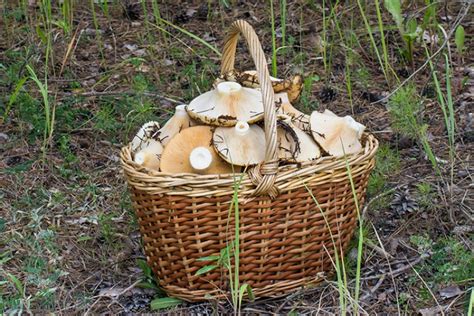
[286, 240]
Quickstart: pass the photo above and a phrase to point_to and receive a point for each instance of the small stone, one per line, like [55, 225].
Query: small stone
[450, 291]
[140, 52]
[3, 137]
[131, 47]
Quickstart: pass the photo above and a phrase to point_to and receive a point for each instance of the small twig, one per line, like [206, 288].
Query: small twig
[374, 289]
[445, 42]
[113, 297]
[399, 270]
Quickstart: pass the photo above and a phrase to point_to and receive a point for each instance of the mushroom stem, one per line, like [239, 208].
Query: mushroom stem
[242, 128]
[181, 110]
[228, 87]
[200, 159]
[140, 158]
[149, 156]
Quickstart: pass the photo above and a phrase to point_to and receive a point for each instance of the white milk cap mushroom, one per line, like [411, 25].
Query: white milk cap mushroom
[178, 122]
[283, 106]
[149, 156]
[227, 104]
[148, 131]
[294, 144]
[292, 86]
[336, 135]
[186, 153]
[241, 145]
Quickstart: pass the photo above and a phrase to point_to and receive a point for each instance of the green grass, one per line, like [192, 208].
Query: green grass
[405, 108]
[451, 261]
[274, 46]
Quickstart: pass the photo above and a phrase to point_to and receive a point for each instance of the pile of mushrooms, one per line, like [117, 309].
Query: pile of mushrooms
[221, 130]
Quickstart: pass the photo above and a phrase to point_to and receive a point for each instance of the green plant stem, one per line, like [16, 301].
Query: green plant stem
[372, 40]
[193, 36]
[341, 280]
[274, 61]
[235, 199]
[283, 21]
[360, 240]
[388, 67]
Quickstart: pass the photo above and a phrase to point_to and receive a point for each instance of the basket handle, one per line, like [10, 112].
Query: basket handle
[264, 174]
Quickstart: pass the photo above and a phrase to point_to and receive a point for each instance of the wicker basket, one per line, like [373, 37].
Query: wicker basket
[286, 241]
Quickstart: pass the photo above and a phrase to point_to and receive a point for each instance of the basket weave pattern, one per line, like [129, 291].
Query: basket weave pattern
[286, 240]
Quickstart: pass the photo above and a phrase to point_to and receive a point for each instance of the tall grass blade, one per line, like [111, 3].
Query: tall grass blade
[360, 238]
[283, 21]
[274, 49]
[165, 302]
[13, 96]
[388, 67]
[193, 36]
[372, 40]
[341, 283]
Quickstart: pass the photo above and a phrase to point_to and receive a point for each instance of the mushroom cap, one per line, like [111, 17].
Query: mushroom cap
[146, 132]
[149, 155]
[176, 155]
[292, 86]
[284, 106]
[241, 145]
[178, 122]
[227, 104]
[336, 135]
[293, 143]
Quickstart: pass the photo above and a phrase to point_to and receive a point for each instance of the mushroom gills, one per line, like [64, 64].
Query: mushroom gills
[249, 78]
[148, 131]
[241, 145]
[338, 136]
[294, 145]
[283, 106]
[190, 151]
[227, 104]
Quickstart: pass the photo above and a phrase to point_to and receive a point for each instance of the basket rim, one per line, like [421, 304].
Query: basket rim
[190, 184]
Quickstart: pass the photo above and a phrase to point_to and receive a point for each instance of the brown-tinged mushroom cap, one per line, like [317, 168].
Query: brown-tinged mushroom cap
[293, 86]
[227, 104]
[149, 155]
[241, 145]
[186, 153]
[178, 122]
[284, 106]
[336, 135]
[148, 131]
[294, 144]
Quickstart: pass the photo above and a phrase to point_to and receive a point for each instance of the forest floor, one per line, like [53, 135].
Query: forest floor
[69, 240]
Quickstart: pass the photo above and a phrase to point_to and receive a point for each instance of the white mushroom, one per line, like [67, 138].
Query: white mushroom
[294, 144]
[190, 151]
[227, 104]
[179, 121]
[148, 131]
[149, 156]
[241, 145]
[283, 106]
[336, 135]
[292, 87]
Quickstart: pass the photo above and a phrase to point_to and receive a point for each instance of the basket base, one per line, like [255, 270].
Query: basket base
[276, 290]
